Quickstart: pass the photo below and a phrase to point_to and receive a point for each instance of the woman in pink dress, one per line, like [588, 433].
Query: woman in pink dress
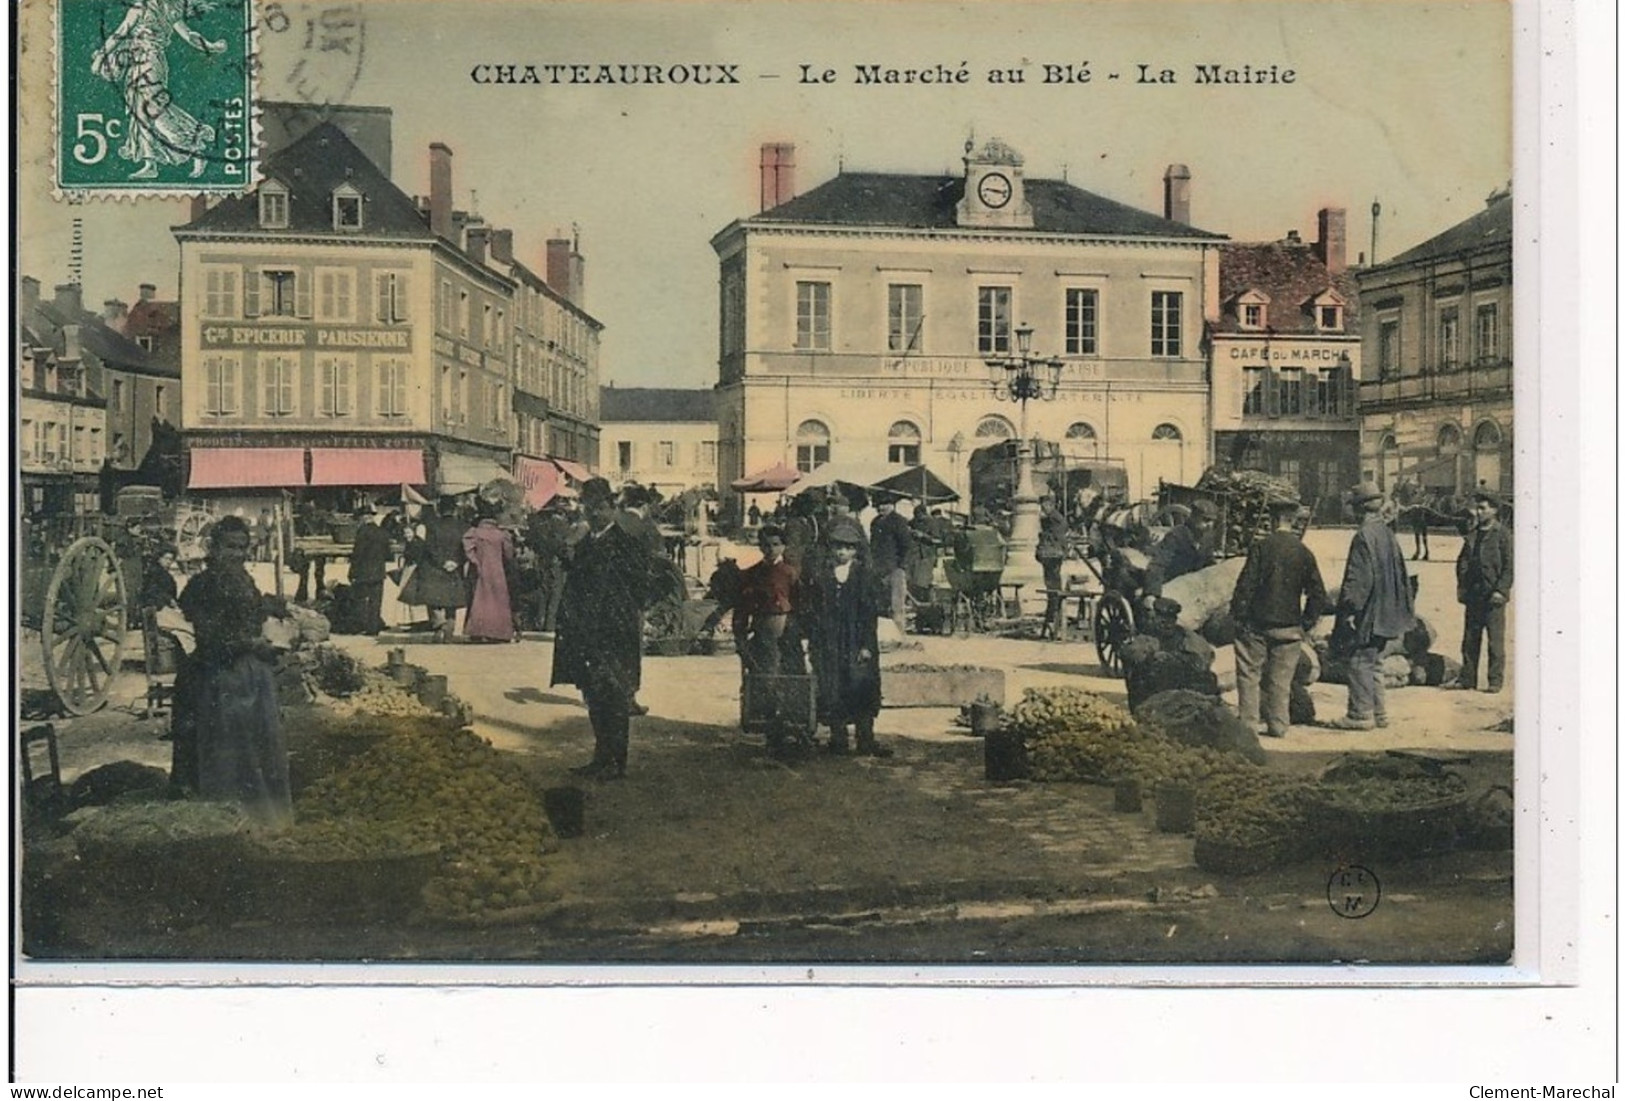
[490, 553]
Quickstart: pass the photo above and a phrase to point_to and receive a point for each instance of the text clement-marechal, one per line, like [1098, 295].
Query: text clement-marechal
[702, 73]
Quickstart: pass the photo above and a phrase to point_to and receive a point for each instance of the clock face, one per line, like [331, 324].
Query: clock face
[994, 190]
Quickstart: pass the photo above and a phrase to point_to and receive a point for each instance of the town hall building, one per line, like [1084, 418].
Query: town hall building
[857, 319]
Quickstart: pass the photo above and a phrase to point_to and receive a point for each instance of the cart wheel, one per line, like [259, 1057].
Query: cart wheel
[83, 624]
[1114, 626]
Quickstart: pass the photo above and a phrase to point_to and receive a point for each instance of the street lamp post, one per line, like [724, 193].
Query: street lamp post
[1021, 378]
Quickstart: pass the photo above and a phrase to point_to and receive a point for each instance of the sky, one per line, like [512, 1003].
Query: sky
[1403, 102]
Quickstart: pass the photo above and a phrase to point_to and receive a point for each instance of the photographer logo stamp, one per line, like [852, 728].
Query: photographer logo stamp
[1353, 891]
[154, 96]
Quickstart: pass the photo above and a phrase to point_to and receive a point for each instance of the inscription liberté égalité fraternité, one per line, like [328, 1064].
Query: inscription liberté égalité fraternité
[715, 74]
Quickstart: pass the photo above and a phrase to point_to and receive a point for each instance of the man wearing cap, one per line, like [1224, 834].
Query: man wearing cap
[1483, 587]
[1279, 596]
[890, 542]
[369, 560]
[1183, 550]
[843, 602]
[599, 645]
[1374, 604]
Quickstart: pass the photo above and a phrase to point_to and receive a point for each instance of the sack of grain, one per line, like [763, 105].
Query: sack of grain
[1199, 720]
[1204, 592]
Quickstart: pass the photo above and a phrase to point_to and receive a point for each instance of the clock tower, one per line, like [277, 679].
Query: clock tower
[994, 191]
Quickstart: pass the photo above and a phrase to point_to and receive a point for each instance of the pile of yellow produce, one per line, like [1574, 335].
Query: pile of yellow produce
[1071, 734]
[418, 790]
[379, 695]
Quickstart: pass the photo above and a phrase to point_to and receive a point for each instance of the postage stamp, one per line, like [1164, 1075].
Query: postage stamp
[154, 95]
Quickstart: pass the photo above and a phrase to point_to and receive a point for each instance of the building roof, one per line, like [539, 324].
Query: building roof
[651, 403]
[1489, 228]
[95, 338]
[312, 168]
[160, 323]
[928, 202]
[1291, 273]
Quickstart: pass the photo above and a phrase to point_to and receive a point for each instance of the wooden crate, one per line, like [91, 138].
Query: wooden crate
[944, 687]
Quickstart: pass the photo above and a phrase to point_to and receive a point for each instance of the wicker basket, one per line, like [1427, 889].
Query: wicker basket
[1424, 827]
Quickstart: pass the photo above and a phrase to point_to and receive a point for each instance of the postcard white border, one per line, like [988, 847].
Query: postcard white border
[1550, 1014]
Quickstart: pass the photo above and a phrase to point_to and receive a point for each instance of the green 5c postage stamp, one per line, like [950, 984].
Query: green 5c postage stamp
[154, 95]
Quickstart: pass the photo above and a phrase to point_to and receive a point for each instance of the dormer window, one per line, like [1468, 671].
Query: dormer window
[273, 206]
[346, 208]
[1327, 310]
[1253, 310]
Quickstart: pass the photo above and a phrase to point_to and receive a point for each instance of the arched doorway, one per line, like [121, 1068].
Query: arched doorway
[1487, 443]
[903, 443]
[1450, 448]
[812, 445]
[995, 428]
[1388, 463]
[1163, 459]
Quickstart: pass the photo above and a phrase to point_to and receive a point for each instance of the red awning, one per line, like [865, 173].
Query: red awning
[574, 470]
[246, 467]
[540, 479]
[366, 466]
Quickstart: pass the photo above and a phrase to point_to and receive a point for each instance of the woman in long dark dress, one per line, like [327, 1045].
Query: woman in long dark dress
[842, 606]
[228, 743]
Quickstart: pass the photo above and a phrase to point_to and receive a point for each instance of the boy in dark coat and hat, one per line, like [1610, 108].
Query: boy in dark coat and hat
[842, 604]
[599, 647]
[1375, 605]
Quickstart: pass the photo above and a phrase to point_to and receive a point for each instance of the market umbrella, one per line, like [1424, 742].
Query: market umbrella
[896, 479]
[774, 479]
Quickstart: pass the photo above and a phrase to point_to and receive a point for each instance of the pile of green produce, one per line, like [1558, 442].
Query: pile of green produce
[1375, 794]
[336, 672]
[1253, 807]
[1071, 734]
[1247, 496]
[418, 790]
[143, 827]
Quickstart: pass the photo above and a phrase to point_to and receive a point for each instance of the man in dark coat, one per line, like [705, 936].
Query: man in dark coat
[1183, 550]
[841, 605]
[1278, 597]
[549, 538]
[599, 647]
[1483, 587]
[369, 560]
[1374, 605]
[890, 541]
[440, 571]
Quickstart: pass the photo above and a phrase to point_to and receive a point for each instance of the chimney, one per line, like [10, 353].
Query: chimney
[1332, 244]
[149, 291]
[1292, 237]
[440, 190]
[566, 270]
[778, 167]
[114, 311]
[71, 350]
[28, 295]
[502, 246]
[199, 207]
[70, 300]
[478, 236]
[1176, 194]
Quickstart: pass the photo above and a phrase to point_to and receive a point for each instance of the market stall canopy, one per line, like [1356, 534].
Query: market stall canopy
[541, 479]
[775, 479]
[246, 467]
[465, 474]
[894, 479]
[574, 470]
[366, 466]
